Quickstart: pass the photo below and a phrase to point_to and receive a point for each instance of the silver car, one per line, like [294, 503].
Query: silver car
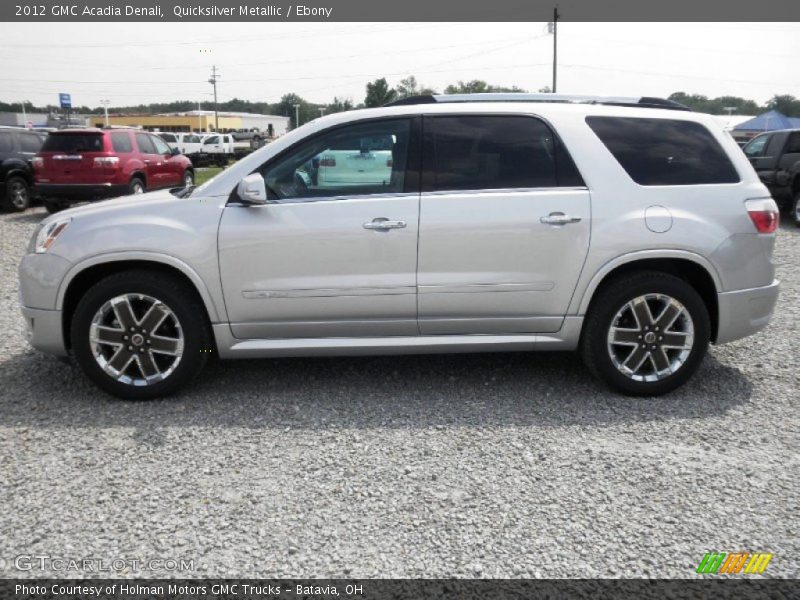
[629, 229]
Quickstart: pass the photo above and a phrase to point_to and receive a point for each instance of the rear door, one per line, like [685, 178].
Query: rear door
[153, 166]
[504, 226]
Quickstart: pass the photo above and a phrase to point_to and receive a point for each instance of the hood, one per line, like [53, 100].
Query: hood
[150, 202]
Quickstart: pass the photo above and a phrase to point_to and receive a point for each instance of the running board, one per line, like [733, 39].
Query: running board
[230, 347]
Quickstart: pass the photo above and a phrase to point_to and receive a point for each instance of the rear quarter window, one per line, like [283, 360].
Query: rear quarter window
[121, 142]
[664, 151]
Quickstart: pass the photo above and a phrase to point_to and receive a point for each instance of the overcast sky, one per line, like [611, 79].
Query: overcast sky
[149, 62]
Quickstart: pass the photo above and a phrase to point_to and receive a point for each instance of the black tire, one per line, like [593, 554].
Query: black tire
[611, 301]
[53, 207]
[188, 178]
[796, 209]
[187, 310]
[18, 194]
[136, 186]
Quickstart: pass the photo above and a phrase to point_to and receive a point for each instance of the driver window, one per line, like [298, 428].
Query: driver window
[756, 146]
[356, 160]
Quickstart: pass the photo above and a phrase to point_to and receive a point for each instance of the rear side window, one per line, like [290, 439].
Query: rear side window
[664, 151]
[144, 143]
[168, 137]
[121, 142]
[6, 143]
[73, 142]
[496, 152]
[29, 142]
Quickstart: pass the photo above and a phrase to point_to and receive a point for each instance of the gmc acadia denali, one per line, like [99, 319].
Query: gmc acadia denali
[629, 229]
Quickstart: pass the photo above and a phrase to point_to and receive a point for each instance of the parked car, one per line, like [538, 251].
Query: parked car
[77, 165]
[628, 229]
[17, 148]
[363, 161]
[776, 158]
[187, 143]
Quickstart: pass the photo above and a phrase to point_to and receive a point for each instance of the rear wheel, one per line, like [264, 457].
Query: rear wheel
[18, 194]
[188, 178]
[796, 209]
[136, 186]
[646, 333]
[140, 334]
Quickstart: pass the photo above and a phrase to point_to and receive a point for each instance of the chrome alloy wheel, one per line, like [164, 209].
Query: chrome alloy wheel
[136, 339]
[645, 347]
[19, 194]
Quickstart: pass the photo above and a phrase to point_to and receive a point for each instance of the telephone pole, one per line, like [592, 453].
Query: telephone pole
[555, 46]
[213, 81]
[296, 116]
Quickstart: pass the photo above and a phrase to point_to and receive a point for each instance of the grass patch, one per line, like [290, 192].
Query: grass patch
[203, 174]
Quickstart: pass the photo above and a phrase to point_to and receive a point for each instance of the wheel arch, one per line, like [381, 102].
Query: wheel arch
[692, 268]
[87, 273]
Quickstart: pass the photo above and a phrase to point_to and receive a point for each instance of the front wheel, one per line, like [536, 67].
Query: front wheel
[140, 334]
[188, 178]
[796, 209]
[136, 186]
[646, 333]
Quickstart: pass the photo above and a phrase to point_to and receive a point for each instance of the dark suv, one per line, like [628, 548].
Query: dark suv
[17, 148]
[76, 165]
[776, 158]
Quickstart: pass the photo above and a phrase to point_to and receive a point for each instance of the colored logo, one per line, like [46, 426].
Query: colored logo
[734, 562]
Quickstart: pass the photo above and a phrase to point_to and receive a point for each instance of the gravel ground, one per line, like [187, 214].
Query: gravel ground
[493, 465]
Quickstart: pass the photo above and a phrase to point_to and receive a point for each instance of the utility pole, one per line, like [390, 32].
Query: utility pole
[213, 81]
[199, 118]
[105, 104]
[322, 110]
[296, 116]
[24, 116]
[555, 46]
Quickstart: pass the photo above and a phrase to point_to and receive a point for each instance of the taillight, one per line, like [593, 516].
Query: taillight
[106, 161]
[764, 214]
[328, 161]
[37, 162]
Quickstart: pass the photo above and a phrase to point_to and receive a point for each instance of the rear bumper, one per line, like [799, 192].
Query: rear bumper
[745, 312]
[44, 331]
[81, 191]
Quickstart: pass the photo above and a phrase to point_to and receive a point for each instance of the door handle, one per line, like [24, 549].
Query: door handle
[559, 218]
[382, 224]
[145, 161]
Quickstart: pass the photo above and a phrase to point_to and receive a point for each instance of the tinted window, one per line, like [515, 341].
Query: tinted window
[344, 162]
[793, 145]
[497, 152]
[214, 139]
[29, 142]
[121, 141]
[168, 137]
[144, 143]
[664, 151]
[6, 142]
[73, 142]
[756, 146]
[191, 139]
[161, 145]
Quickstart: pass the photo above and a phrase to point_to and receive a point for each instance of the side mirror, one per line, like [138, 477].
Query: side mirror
[251, 189]
[175, 151]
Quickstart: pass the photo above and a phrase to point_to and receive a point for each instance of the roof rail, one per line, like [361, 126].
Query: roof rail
[640, 102]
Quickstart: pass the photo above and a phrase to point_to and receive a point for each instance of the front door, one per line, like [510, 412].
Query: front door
[504, 226]
[324, 259]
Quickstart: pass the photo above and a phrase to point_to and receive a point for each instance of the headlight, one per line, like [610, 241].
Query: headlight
[47, 235]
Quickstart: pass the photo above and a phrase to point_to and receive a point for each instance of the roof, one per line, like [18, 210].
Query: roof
[769, 121]
[221, 113]
[638, 101]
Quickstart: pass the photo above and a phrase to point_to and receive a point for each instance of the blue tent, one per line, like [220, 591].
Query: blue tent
[769, 121]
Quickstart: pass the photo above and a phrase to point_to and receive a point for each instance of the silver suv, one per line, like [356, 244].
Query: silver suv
[630, 229]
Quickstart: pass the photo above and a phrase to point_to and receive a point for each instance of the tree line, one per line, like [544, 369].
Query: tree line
[379, 92]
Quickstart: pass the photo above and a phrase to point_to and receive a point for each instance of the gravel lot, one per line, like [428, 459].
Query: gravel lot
[493, 465]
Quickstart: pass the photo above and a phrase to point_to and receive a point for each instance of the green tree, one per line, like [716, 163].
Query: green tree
[379, 93]
[286, 108]
[410, 87]
[477, 86]
[340, 105]
[786, 104]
